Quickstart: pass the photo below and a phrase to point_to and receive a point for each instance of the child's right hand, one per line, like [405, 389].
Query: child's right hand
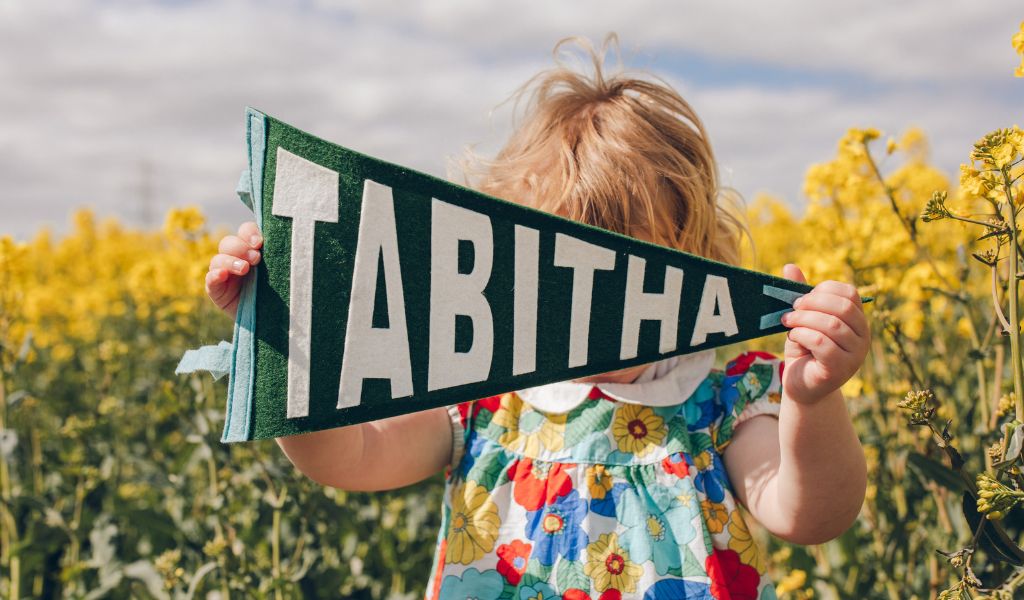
[237, 253]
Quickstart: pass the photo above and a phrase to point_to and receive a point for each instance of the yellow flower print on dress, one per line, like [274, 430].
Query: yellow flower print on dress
[528, 430]
[702, 460]
[609, 567]
[743, 543]
[474, 524]
[599, 482]
[637, 430]
[715, 515]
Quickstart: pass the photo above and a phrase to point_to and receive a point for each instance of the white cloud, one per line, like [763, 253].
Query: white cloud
[93, 91]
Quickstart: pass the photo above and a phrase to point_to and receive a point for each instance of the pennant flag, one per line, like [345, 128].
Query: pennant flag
[385, 291]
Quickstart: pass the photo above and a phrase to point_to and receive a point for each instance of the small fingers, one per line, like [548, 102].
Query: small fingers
[817, 343]
[216, 285]
[832, 326]
[839, 288]
[229, 264]
[234, 246]
[844, 308]
[249, 232]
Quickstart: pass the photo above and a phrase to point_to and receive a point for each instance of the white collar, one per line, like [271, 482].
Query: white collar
[664, 383]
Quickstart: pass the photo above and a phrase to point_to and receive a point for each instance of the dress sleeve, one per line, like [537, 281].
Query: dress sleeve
[752, 386]
[458, 414]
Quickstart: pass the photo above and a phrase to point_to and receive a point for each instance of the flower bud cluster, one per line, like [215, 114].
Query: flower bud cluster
[994, 498]
[920, 404]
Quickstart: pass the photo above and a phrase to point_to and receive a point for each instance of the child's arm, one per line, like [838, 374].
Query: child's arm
[803, 476]
[384, 454]
[381, 455]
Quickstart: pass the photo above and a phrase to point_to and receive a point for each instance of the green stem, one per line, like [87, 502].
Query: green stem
[1014, 316]
[9, 537]
[275, 541]
[276, 552]
[908, 224]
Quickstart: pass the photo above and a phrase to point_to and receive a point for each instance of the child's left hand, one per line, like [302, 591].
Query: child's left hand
[827, 341]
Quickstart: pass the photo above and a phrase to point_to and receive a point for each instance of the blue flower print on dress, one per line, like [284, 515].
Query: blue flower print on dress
[472, 585]
[680, 589]
[699, 408]
[605, 506]
[473, 452]
[556, 529]
[538, 591]
[711, 478]
[657, 528]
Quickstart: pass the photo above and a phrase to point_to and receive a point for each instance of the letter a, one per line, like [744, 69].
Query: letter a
[375, 352]
[716, 292]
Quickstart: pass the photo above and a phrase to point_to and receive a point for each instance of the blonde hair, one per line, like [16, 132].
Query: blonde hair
[619, 152]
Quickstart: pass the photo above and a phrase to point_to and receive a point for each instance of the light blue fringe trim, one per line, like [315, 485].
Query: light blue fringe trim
[238, 418]
[787, 296]
[214, 359]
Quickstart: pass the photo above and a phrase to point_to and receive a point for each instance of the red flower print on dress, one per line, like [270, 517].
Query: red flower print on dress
[538, 484]
[491, 404]
[575, 594]
[512, 559]
[730, 578]
[438, 571]
[676, 464]
[743, 362]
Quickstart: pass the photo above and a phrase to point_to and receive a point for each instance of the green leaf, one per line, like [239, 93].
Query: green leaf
[933, 470]
[677, 431]
[691, 566]
[487, 470]
[586, 419]
[482, 419]
[509, 592]
[537, 570]
[700, 442]
[569, 574]
[756, 380]
[724, 432]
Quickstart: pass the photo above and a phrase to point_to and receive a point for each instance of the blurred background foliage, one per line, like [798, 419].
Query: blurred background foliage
[113, 479]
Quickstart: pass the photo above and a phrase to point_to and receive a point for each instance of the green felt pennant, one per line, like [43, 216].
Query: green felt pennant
[385, 291]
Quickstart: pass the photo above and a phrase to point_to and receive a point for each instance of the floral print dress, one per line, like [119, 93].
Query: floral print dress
[609, 500]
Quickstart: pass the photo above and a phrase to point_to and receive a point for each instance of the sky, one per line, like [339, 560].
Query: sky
[134, 107]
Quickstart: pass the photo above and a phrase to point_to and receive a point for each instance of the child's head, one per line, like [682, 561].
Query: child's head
[619, 152]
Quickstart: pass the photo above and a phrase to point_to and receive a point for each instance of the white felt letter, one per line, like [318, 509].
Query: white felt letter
[640, 306]
[524, 317]
[716, 292]
[306, 192]
[453, 293]
[371, 352]
[583, 259]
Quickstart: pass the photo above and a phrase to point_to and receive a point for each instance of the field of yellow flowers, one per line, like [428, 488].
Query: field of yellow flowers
[113, 482]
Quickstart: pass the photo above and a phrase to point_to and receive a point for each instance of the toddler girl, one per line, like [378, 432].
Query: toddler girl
[626, 484]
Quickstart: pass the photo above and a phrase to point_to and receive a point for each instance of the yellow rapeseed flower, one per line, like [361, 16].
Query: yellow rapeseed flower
[792, 582]
[1018, 45]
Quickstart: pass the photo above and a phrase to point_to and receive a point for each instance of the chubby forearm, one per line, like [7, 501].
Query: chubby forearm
[379, 455]
[818, 487]
[329, 457]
